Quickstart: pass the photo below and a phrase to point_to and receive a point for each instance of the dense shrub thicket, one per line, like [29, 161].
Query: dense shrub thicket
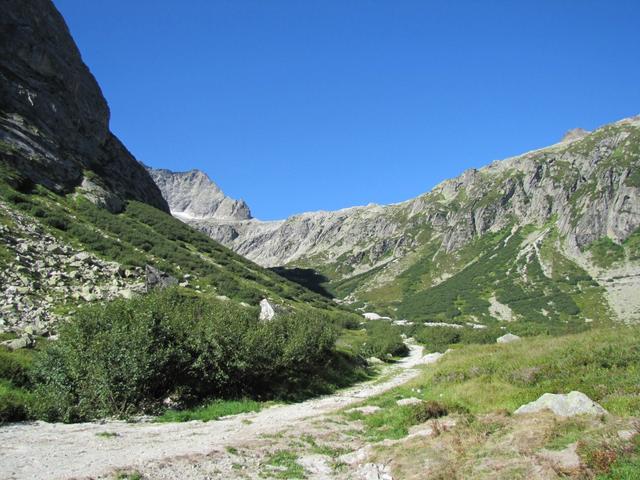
[127, 356]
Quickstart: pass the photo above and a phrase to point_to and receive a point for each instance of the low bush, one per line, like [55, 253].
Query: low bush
[13, 403]
[383, 338]
[127, 356]
[427, 410]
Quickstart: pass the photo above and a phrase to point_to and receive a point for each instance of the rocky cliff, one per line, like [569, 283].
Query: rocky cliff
[54, 121]
[585, 190]
[193, 195]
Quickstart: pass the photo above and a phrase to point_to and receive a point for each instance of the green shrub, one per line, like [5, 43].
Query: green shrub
[13, 403]
[427, 410]
[14, 367]
[127, 356]
[383, 338]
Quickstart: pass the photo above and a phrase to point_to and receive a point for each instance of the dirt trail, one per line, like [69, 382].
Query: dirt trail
[58, 451]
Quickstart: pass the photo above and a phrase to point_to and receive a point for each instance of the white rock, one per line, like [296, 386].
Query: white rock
[267, 312]
[409, 401]
[374, 471]
[371, 316]
[563, 405]
[430, 358]
[366, 410]
[508, 338]
[316, 464]
[442, 324]
[627, 435]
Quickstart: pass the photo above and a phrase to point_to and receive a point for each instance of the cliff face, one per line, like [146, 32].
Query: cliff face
[54, 121]
[193, 195]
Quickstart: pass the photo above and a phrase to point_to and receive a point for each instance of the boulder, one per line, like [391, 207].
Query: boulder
[25, 341]
[267, 311]
[158, 279]
[563, 405]
[508, 338]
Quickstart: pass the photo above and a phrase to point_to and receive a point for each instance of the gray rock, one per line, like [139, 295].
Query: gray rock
[25, 341]
[508, 338]
[563, 405]
[158, 279]
[409, 401]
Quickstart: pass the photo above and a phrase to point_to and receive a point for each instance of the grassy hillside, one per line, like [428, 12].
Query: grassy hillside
[144, 235]
[476, 389]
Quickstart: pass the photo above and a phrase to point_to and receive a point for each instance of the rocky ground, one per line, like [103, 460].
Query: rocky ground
[45, 277]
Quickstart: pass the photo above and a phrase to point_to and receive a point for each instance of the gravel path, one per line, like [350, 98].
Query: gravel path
[41, 450]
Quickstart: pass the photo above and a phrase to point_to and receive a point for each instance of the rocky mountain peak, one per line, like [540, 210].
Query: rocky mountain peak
[193, 195]
[574, 134]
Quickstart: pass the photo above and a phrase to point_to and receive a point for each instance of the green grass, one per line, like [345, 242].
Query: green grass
[213, 411]
[566, 433]
[286, 465]
[626, 464]
[14, 402]
[604, 252]
[602, 363]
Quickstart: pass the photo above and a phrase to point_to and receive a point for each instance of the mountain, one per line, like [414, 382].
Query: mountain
[193, 195]
[81, 220]
[54, 121]
[568, 216]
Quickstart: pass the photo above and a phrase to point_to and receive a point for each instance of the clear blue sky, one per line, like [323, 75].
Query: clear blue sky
[306, 105]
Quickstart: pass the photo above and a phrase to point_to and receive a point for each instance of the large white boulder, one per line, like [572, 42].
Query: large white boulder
[563, 405]
[267, 311]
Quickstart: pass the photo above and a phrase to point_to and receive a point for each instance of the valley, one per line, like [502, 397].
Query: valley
[152, 328]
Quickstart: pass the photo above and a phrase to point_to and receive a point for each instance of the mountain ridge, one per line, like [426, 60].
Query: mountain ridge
[586, 183]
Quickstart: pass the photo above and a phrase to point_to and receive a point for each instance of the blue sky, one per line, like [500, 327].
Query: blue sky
[308, 105]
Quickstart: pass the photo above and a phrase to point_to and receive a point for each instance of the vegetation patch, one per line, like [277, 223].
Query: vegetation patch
[126, 357]
[283, 464]
[212, 411]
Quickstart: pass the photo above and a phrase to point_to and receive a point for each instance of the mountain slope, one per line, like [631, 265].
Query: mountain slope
[80, 218]
[577, 200]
